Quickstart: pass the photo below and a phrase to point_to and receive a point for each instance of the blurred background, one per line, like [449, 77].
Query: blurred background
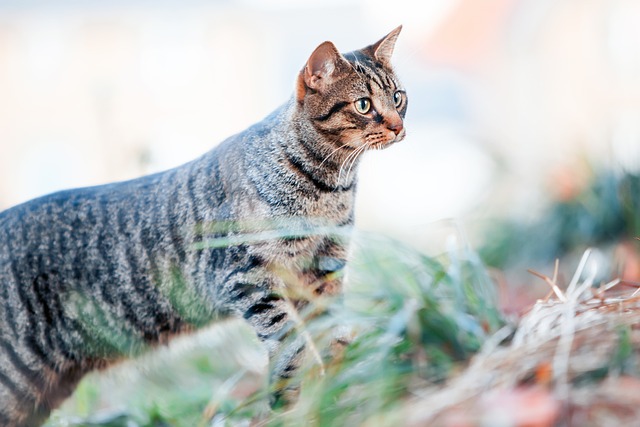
[510, 100]
[523, 121]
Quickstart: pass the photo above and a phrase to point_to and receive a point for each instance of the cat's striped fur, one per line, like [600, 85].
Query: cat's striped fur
[92, 275]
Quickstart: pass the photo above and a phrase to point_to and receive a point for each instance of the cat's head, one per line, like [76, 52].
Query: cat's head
[355, 99]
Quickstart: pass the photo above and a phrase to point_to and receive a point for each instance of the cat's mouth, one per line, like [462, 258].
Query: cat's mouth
[381, 145]
[379, 142]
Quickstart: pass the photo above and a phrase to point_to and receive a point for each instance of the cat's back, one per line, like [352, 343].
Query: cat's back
[68, 220]
[190, 193]
[94, 229]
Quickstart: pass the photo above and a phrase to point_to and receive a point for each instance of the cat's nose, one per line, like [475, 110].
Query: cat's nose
[395, 127]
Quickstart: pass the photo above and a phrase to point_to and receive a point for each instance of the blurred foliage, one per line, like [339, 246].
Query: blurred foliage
[605, 211]
[415, 320]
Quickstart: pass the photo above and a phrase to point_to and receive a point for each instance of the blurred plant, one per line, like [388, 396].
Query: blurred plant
[415, 324]
[605, 211]
[418, 320]
[572, 360]
[415, 321]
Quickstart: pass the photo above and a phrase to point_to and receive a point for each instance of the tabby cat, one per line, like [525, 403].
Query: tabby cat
[93, 275]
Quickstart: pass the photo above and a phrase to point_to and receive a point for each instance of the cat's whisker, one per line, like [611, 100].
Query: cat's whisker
[354, 158]
[332, 153]
[342, 166]
[346, 161]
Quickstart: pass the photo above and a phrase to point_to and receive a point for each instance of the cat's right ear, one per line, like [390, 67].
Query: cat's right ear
[321, 68]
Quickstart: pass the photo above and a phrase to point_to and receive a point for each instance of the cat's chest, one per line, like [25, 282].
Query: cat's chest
[306, 227]
[335, 206]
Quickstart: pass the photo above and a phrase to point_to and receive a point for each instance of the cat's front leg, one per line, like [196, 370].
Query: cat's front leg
[276, 322]
[279, 304]
[260, 298]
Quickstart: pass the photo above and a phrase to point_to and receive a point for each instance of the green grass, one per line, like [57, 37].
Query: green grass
[416, 320]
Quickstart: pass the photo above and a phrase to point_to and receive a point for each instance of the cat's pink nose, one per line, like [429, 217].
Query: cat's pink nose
[395, 127]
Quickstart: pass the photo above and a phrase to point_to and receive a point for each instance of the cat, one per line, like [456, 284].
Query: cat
[93, 275]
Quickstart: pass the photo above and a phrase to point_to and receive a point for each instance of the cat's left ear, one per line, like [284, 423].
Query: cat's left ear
[323, 66]
[383, 49]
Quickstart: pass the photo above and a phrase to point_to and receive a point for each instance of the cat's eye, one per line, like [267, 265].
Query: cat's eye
[397, 99]
[363, 105]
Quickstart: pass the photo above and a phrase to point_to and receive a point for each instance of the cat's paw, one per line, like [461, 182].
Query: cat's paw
[284, 398]
[342, 337]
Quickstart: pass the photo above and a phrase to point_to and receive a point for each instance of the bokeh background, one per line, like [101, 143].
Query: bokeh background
[514, 107]
[509, 99]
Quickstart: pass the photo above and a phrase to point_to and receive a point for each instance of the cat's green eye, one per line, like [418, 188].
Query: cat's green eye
[397, 99]
[363, 105]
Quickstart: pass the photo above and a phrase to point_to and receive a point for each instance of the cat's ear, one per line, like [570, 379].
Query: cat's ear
[322, 67]
[383, 49]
